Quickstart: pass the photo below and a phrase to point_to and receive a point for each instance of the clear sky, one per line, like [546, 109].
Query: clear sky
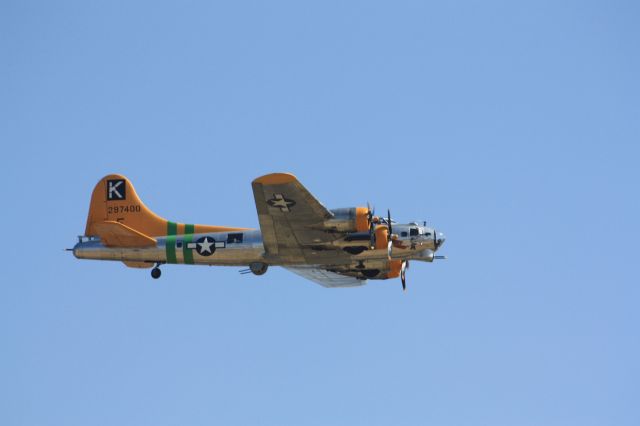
[513, 128]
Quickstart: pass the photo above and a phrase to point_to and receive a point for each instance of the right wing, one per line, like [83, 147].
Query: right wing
[325, 278]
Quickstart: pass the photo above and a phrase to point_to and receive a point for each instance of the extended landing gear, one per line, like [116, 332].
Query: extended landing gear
[156, 272]
[256, 268]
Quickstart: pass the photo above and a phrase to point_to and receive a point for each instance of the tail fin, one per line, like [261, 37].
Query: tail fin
[115, 200]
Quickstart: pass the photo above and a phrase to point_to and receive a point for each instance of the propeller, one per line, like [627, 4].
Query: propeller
[403, 274]
[390, 243]
[370, 216]
[373, 220]
[370, 212]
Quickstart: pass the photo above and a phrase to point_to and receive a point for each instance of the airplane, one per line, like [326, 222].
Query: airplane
[334, 248]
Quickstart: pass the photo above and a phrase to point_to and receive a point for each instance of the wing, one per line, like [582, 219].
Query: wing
[325, 278]
[291, 219]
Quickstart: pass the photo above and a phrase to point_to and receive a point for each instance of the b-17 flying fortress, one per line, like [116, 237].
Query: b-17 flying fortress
[335, 248]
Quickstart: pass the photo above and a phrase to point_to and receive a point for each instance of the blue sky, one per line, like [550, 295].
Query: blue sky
[513, 128]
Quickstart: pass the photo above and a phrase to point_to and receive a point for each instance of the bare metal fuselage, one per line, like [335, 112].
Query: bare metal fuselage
[222, 252]
[225, 249]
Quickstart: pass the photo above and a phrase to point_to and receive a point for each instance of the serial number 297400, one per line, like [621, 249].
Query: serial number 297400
[133, 208]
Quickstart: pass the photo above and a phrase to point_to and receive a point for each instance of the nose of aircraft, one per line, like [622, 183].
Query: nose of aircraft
[440, 239]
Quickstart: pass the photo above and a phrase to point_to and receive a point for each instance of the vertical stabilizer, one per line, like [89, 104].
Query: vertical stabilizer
[115, 200]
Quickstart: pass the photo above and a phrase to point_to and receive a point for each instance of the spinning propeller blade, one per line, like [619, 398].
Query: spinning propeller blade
[403, 274]
[370, 216]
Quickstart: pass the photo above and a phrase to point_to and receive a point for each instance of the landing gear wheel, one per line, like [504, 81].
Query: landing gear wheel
[258, 268]
[155, 273]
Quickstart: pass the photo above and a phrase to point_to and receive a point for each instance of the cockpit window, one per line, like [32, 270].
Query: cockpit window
[403, 234]
[413, 232]
[427, 234]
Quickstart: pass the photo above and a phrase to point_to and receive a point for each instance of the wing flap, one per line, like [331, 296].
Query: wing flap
[326, 278]
[141, 265]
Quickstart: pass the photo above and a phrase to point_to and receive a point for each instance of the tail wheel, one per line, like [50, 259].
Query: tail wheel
[155, 273]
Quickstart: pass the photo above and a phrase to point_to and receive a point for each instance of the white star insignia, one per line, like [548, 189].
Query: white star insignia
[280, 202]
[205, 246]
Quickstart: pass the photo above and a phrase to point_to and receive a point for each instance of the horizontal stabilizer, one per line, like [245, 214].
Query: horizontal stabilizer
[132, 264]
[115, 234]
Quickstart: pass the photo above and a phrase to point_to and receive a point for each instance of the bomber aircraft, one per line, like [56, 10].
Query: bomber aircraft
[334, 248]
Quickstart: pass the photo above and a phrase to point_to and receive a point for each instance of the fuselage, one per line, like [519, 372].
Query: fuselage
[241, 248]
[212, 248]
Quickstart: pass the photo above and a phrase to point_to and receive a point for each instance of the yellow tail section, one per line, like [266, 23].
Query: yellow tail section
[120, 218]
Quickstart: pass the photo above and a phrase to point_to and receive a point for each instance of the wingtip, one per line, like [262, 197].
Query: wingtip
[275, 179]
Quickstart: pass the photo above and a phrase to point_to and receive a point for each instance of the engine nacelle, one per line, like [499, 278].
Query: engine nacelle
[395, 267]
[354, 219]
[382, 237]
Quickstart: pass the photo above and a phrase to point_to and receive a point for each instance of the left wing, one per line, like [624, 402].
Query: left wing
[325, 278]
[291, 219]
